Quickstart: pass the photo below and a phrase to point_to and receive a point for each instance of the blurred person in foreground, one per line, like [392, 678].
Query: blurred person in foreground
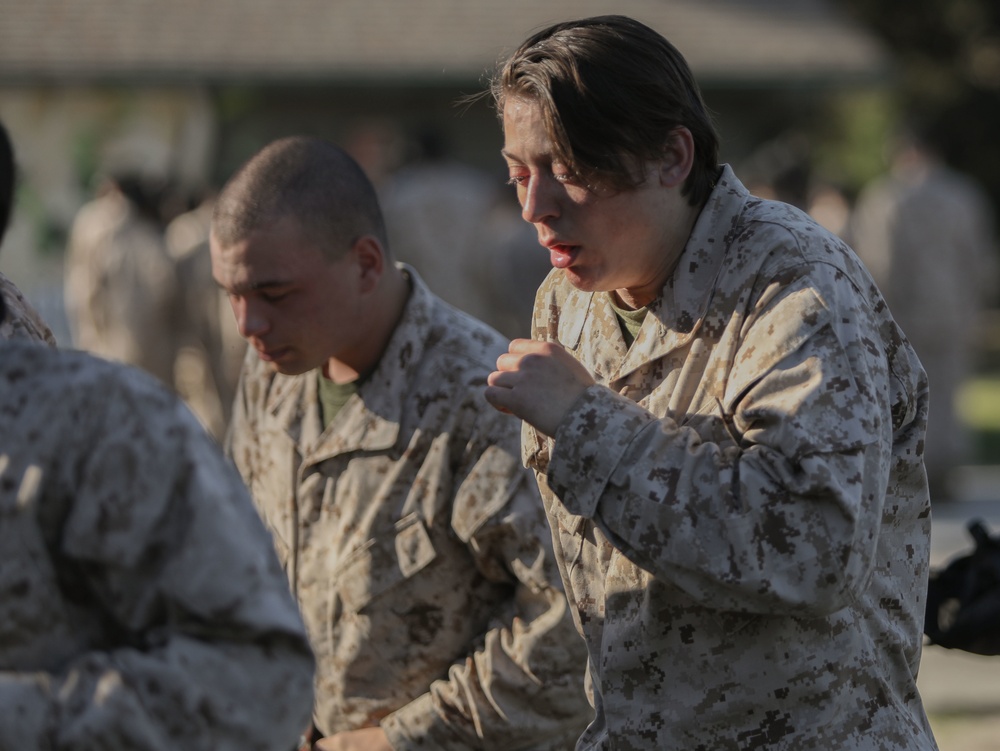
[21, 320]
[412, 536]
[925, 231]
[141, 603]
[724, 420]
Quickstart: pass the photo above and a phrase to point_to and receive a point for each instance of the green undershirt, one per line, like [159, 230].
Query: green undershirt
[333, 396]
[630, 321]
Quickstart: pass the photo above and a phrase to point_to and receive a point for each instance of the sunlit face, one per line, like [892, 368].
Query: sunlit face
[602, 240]
[297, 308]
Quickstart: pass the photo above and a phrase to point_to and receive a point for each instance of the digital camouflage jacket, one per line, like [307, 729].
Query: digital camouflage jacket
[141, 604]
[740, 506]
[417, 545]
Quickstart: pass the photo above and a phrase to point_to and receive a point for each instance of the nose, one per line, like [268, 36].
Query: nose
[539, 200]
[250, 319]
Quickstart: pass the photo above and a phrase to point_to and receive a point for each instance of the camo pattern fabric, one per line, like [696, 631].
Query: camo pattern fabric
[740, 507]
[141, 603]
[20, 320]
[417, 544]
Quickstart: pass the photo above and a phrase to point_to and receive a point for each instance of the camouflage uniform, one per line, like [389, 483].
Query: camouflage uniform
[141, 604]
[739, 505]
[21, 321]
[417, 545]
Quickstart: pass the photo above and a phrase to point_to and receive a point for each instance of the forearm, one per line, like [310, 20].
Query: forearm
[737, 527]
[523, 688]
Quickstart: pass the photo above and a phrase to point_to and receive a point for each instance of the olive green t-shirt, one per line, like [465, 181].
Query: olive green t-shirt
[333, 396]
[630, 321]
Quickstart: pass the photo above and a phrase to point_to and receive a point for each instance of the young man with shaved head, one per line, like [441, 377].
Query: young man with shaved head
[411, 534]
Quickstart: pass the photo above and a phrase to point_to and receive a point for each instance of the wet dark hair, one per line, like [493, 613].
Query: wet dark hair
[310, 179]
[611, 91]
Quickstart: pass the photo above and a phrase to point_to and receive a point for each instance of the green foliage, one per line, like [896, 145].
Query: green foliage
[85, 155]
[850, 147]
[948, 57]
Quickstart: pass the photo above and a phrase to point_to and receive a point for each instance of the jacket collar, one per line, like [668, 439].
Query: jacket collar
[370, 420]
[677, 314]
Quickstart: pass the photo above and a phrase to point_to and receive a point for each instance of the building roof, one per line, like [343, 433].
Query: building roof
[336, 41]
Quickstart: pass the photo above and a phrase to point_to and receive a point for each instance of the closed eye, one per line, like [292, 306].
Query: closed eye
[273, 297]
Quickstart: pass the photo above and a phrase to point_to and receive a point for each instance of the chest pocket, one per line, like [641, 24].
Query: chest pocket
[383, 562]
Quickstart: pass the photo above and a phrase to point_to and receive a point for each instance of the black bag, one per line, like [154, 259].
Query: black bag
[963, 598]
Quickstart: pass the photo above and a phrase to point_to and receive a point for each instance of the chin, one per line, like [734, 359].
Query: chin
[587, 283]
[579, 281]
[288, 367]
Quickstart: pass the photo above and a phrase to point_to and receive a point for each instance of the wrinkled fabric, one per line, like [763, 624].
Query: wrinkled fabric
[141, 604]
[740, 509]
[416, 544]
[20, 320]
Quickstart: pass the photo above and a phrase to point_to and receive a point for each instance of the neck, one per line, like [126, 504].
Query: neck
[674, 242]
[384, 309]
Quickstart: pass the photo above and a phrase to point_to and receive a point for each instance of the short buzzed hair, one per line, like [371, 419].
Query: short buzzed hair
[309, 179]
[611, 90]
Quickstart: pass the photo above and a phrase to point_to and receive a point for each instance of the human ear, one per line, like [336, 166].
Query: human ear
[678, 158]
[371, 260]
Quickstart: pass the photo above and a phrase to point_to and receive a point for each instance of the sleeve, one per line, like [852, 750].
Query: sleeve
[772, 504]
[206, 649]
[522, 686]
[18, 320]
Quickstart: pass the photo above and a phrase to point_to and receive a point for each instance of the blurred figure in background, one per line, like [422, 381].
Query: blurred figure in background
[121, 289]
[781, 170]
[926, 234]
[210, 349]
[458, 227]
[436, 209]
[21, 320]
[515, 266]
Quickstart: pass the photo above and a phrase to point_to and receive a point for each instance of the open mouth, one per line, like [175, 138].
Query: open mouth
[562, 256]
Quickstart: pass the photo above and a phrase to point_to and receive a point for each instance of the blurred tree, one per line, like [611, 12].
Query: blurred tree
[948, 58]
